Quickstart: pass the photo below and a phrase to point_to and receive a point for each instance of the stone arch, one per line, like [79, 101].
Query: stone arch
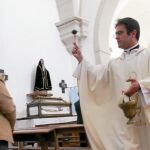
[101, 29]
[102, 24]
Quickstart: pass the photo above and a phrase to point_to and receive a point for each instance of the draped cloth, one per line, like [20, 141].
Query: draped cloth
[42, 79]
[100, 93]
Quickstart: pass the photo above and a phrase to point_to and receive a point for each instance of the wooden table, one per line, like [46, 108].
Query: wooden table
[46, 134]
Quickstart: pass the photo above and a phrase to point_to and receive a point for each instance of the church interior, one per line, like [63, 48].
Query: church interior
[31, 30]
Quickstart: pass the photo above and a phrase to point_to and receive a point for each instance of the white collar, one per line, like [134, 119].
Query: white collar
[128, 49]
[136, 51]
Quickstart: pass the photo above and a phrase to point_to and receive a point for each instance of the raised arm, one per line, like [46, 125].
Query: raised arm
[77, 52]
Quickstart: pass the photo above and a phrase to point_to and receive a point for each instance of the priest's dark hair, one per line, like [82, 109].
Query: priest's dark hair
[130, 24]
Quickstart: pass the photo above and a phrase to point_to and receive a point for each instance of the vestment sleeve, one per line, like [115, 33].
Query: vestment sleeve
[77, 72]
[145, 93]
[95, 73]
[145, 88]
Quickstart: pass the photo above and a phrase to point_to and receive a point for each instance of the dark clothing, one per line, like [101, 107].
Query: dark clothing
[42, 80]
[78, 111]
[80, 121]
[3, 145]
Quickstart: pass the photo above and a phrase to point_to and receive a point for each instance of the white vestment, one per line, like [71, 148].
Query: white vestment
[100, 90]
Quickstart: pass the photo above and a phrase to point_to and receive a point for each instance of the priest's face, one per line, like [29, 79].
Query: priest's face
[124, 39]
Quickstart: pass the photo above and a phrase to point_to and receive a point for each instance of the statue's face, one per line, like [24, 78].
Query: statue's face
[42, 61]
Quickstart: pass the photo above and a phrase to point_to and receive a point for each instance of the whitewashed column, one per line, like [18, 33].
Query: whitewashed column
[69, 20]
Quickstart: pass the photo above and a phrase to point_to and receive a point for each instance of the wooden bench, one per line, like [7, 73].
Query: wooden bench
[57, 137]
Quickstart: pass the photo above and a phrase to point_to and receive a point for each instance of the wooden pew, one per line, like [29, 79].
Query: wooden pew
[57, 137]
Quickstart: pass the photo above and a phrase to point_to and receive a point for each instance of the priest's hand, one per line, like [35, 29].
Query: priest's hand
[133, 88]
[77, 53]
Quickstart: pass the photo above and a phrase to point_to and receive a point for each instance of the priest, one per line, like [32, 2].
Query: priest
[101, 89]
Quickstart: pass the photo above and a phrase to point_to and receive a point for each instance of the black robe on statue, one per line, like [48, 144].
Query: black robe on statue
[42, 79]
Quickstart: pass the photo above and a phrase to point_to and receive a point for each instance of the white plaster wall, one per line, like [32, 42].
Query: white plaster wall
[28, 33]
